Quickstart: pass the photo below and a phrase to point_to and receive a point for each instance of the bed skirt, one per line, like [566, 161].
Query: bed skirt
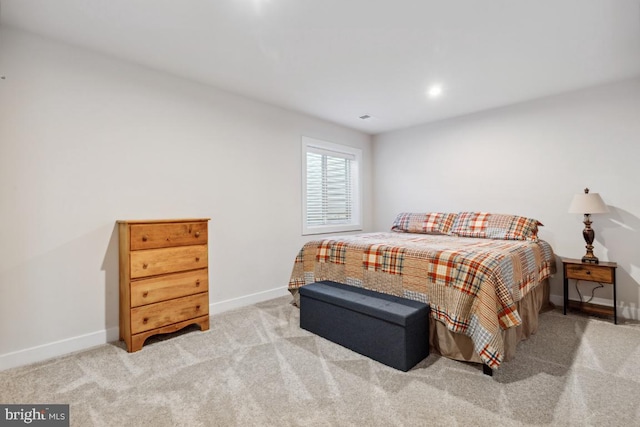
[460, 347]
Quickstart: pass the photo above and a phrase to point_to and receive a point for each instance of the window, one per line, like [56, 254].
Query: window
[330, 187]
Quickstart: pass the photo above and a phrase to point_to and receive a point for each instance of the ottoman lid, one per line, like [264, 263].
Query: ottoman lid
[401, 311]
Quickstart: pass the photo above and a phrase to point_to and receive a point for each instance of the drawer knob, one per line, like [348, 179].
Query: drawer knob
[145, 320]
[197, 283]
[145, 265]
[197, 258]
[197, 234]
[197, 307]
[588, 272]
[145, 238]
[144, 295]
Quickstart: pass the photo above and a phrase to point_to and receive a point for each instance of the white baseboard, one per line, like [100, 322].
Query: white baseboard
[243, 301]
[83, 342]
[56, 348]
[631, 313]
[557, 300]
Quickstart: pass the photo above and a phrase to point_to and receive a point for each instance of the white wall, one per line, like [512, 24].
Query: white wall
[86, 140]
[530, 159]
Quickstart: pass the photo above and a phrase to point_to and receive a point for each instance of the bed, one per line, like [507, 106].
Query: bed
[485, 276]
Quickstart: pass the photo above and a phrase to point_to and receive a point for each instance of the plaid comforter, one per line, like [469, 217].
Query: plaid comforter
[472, 285]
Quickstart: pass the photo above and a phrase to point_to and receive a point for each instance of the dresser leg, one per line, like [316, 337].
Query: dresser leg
[204, 324]
[137, 342]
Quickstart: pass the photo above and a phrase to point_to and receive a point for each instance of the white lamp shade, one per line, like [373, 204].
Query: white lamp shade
[589, 203]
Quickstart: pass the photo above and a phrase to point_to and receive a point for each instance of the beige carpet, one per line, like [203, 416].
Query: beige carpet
[256, 367]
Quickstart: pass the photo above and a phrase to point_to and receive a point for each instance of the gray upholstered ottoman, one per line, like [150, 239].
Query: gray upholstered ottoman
[386, 328]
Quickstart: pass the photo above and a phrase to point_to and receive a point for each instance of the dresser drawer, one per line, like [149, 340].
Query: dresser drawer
[165, 287]
[592, 273]
[151, 262]
[151, 236]
[164, 313]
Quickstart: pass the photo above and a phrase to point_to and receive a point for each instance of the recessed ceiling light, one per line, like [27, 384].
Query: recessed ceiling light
[434, 91]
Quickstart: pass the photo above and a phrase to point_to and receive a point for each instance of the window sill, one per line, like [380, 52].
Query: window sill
[331, 229]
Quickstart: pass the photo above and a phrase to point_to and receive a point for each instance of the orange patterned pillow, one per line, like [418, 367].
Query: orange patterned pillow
[424, 223]
[495, 226]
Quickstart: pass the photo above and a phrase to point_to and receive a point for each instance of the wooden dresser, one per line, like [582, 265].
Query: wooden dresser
[164, 277]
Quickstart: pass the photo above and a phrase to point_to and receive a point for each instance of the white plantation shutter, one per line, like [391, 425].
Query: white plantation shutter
[331, 187]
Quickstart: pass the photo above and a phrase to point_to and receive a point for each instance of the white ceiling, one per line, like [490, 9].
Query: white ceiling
[341, 59]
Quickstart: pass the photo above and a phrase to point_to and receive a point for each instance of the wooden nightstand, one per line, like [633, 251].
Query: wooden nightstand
[604, 273]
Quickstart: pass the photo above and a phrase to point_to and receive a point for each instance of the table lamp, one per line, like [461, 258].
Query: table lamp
[587, 204]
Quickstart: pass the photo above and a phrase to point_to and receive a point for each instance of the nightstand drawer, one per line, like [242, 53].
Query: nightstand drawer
[165, 287]
[592, 273]
[167, 260]
[163, 313]
[151, 236]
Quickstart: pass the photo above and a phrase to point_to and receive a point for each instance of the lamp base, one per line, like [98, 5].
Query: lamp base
[589, 235]
[590, 259]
